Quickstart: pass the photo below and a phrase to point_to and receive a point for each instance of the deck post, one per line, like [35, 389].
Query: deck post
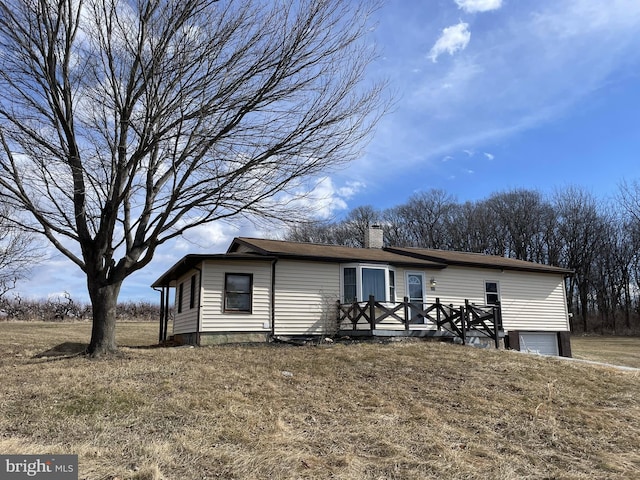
[496, 322]
[372, 312]
[161, 333]
[438, 312]
[463, 323]
[405, 301]
[354, 318]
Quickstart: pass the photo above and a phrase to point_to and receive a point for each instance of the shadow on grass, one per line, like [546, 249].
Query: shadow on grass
[64, 350]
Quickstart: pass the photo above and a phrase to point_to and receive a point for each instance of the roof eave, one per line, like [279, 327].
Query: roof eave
[189, 262]
[534, 268]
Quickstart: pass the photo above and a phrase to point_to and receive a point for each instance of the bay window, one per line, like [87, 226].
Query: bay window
[361, 281]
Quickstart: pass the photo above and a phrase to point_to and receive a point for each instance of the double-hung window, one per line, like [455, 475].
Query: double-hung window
[349, 284]
[238, 289]
[491, 293]
[361, 281]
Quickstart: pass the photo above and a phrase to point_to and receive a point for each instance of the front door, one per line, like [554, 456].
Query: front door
[416, 294]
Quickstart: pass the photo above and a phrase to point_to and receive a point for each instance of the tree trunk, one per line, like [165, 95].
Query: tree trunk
[104, 301]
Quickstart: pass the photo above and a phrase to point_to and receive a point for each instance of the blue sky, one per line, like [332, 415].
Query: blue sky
[489, 95]
[501, 94]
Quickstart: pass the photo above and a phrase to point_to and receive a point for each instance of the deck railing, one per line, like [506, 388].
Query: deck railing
[374, 316]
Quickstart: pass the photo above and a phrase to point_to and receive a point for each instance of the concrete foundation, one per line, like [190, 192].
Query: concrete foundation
[210, 338]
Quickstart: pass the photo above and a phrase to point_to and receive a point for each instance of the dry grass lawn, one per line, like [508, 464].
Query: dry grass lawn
[615, 350]
[338, 411]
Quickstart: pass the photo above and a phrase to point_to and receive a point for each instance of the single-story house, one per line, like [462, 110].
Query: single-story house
[263, 289]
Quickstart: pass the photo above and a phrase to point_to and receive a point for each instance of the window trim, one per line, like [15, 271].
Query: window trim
[487, 293]
[392, 286]
[250, 293]
[192, 292]
[359, 268]
[180, 296]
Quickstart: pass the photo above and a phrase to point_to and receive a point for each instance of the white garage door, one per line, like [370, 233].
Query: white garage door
[542, 343]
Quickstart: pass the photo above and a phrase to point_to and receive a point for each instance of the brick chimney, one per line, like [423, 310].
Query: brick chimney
[373, 237]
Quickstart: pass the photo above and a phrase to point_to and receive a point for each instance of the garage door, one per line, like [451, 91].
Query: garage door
[537, 342]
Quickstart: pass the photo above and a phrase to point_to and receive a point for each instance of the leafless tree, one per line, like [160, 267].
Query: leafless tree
[395, 228]
[628, 198]
[473, 228]
[526, 221]
[427, 217]
[19, 251]
[348, 232]
[321, 232]
[352, 231]
[581, 229]
[612, 273]
[125, 123]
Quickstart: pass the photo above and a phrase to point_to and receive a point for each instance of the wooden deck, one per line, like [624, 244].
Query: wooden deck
[373, 318]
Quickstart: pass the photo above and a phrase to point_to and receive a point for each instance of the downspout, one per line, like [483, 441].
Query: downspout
[167, 290]
[273, 297]
[161, 332]
[198, 319]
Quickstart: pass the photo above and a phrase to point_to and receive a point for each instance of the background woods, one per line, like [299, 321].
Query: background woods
[599, 240]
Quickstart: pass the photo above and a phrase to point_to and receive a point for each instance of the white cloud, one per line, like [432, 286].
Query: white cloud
[210, 237]
[323, 198]
[350, 189]
[489, 156]
[472, 6]
[470, 153]
[452, 40]
[447, 158]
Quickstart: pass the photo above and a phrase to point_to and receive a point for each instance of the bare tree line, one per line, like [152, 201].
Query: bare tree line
[598, 239]
[63, 307]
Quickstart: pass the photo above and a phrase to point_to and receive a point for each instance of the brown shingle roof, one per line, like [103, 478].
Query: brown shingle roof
[477, 260]
[243, 249]
[425, 257]
[327, 253]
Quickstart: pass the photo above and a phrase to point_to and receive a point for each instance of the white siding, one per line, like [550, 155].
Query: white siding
[530, 301]
[214, 319]
[305, 298]
[306, 294]
[186, 321]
